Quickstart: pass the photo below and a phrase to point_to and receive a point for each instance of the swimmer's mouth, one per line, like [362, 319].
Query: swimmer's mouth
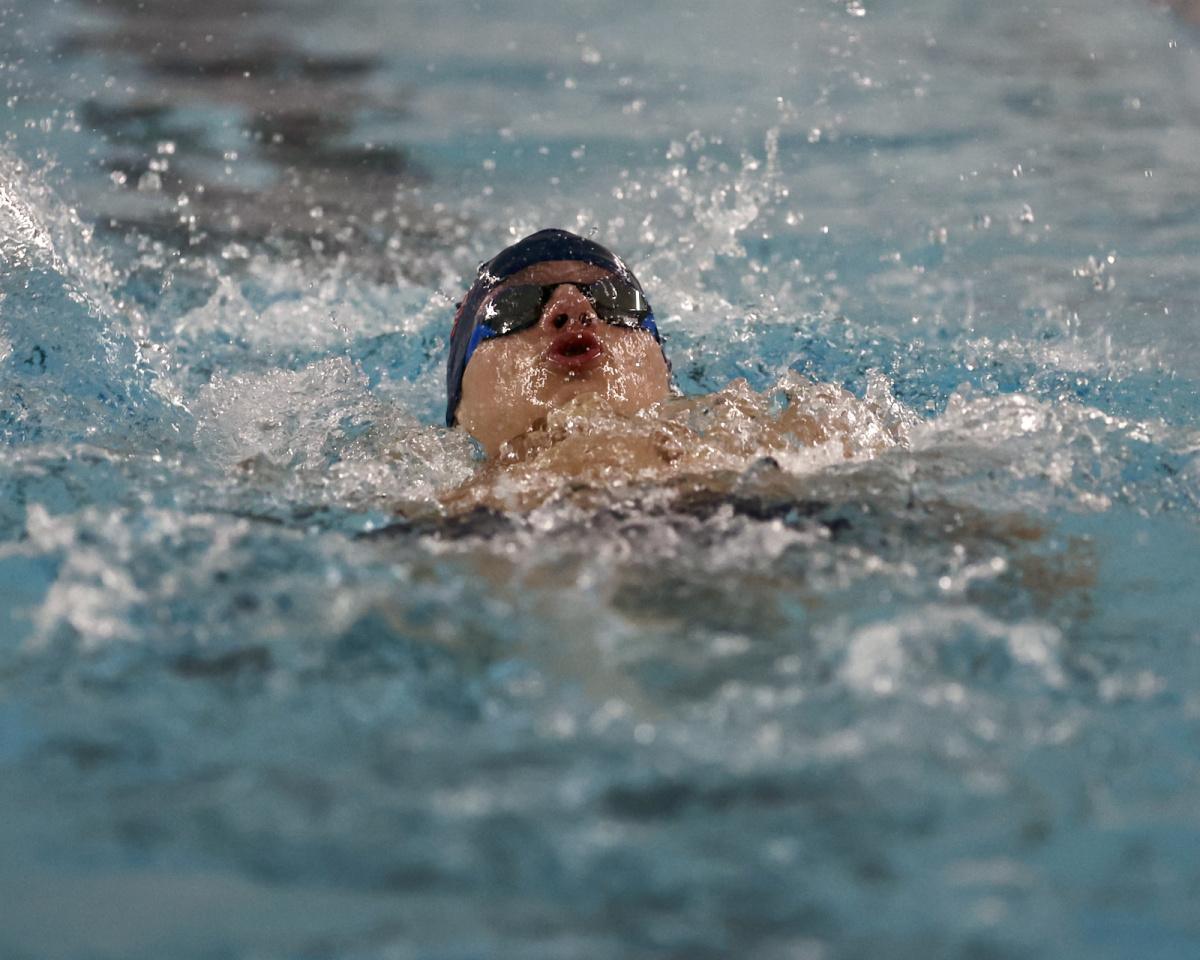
[576, 350]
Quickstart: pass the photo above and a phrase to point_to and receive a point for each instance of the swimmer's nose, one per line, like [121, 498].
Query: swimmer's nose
[567, 306]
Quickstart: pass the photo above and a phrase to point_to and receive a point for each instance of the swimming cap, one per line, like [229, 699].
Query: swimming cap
[469, 328]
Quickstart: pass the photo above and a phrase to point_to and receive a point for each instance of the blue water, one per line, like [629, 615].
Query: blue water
[938, 702]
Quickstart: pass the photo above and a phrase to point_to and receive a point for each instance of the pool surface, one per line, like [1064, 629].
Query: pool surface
[936, 700]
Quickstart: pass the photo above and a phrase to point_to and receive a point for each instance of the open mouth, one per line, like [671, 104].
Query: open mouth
[577, 350]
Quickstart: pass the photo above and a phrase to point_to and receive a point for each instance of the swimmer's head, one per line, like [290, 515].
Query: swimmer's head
[550, 318]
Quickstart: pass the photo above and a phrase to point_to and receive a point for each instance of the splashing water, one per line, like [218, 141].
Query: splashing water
[888, 647]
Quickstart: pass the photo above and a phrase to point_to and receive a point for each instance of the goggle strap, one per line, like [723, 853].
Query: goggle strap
[481, 333]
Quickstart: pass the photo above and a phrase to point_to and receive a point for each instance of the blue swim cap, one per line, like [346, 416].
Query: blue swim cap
[469, 328]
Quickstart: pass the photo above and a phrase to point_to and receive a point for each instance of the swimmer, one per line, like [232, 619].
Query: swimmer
[558, 371]
[547, 320]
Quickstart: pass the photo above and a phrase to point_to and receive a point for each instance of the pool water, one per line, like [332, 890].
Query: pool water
[939, 699]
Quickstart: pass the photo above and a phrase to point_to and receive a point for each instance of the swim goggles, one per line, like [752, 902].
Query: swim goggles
[618, 299]
[520, 307]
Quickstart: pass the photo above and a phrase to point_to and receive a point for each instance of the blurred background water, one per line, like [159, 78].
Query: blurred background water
[937, 703]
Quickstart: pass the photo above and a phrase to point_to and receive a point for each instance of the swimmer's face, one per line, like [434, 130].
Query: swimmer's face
[513, 381]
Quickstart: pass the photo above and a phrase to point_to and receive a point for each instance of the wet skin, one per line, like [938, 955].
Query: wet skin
[512, 382]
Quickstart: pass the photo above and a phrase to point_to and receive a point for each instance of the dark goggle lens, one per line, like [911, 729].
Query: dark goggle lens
[520, 307]
[514, 308]
[617, 303]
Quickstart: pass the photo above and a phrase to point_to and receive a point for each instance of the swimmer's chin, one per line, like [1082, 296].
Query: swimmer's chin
[565, 388]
